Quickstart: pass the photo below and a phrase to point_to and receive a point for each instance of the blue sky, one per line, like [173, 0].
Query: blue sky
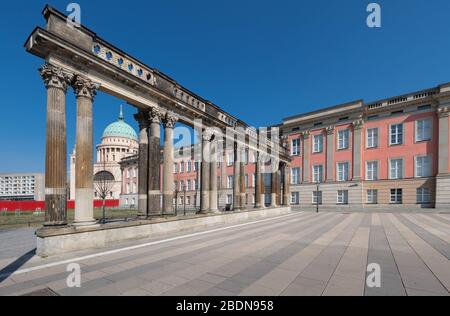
[260, 60]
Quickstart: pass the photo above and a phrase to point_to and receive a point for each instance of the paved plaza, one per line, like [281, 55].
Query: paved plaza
[298, 254]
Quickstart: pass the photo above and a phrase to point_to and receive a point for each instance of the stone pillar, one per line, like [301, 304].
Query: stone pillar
[287, 185]
[142, 119]
[213, 194]
[258, 185]
[154, 164]
[274, 184]
[56, 81]
[357, 148]
[443, 114]
[205, 173]
[168, 179]
[237, 179]
[306, 156]
[330, 155]
[85, 91]
[243, 188]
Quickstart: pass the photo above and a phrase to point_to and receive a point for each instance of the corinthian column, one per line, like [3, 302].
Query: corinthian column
[169, 123]
[213, 194]
[56, 81]
[286, 185]
[243, 189]
[154, 164]
[275, 183]
[258, 185]
[85, 91]
[205, 173]
[237, 178]
[143, 120]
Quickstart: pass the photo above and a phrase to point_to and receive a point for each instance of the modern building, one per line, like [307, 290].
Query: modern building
[390, 153]
[119, 141]
[22, 187]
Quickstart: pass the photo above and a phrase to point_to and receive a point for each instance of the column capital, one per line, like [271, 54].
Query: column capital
[156, 116]
[170, 120]
[84, 87]
[207, 135]
[443, 112]
[55, 77]
[306, 134]
[358, 124]
[330, 130]
[142, 118]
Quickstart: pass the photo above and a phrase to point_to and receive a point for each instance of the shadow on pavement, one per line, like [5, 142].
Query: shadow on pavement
[16, 265]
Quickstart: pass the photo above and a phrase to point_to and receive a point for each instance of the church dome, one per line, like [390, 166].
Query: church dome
[120, 129]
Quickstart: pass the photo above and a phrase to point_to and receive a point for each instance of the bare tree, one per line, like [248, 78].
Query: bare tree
[103, 185]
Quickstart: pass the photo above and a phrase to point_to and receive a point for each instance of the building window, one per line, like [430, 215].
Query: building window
[295, 179]
[188, 200]
[295, 198]
[396, 169]
[253, 180]
[194, 185]
[317, 143]
[423, 166]
[396, 196]
[189, 185]
[230, 159]
[246, 181]
[343, 139]
[182, 167]
[317, 197]
[423, 196]
[317, 174]
[229, 199]
[189, 166]
[396, 134]
[295, 148]
[372, 196]
[343, 171]
[372, 138]
[342, 197]
[372, 170]
[175, 168]
[424, 130]
[230, 182]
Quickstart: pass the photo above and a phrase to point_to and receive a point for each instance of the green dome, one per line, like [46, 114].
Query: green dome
[120, 129]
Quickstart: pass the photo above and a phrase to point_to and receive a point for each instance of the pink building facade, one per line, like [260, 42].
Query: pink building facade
[390, 153]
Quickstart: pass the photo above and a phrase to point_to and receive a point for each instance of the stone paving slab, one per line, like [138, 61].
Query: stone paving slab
[306, 254]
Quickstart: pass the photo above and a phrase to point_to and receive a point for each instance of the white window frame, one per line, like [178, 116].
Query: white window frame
[427, 135]
[343, 139]
[371, 174]
[372, 137]
[320, 196]
[399, 140]
[295, 178]
[423, 196]
[342, 197]
[317, 144]
[394, 197]
[295, 147]
[423, 173]
[344, 174]
[295, 198]
[372, 196]
[230, 180]
[317, 177]
[400, 174]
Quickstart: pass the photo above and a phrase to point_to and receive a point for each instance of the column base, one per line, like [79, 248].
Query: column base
[90, 223]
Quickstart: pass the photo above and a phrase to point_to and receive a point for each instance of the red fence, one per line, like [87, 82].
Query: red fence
[32, 206]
